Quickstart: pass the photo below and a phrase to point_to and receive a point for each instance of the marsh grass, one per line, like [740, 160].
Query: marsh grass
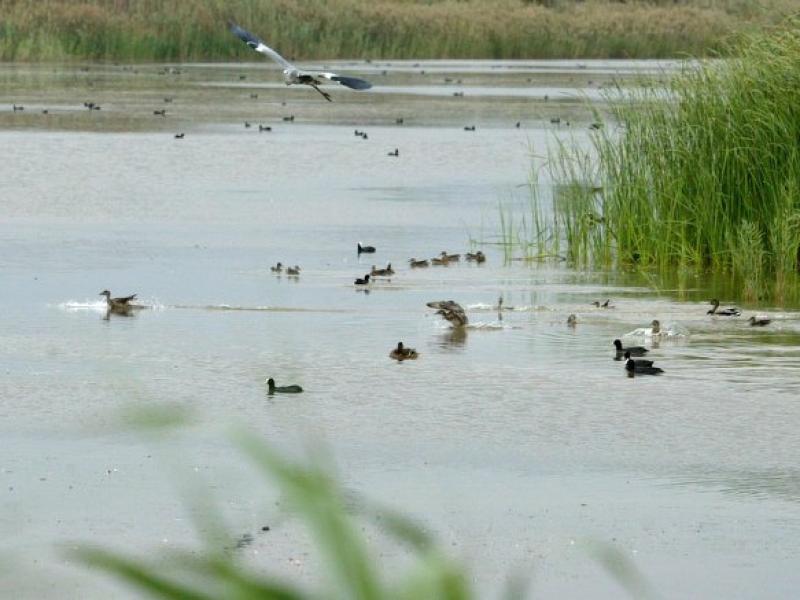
[702, 174]
[180, 30]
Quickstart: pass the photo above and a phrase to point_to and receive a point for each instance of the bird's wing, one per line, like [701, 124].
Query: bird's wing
[351, 82]
[258, 45]
[126, 299]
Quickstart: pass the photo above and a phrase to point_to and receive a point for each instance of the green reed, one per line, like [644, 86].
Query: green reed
[702, 173]
[195, 29]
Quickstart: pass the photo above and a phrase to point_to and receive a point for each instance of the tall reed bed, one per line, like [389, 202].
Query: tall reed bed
[703, 173]
[195, 29]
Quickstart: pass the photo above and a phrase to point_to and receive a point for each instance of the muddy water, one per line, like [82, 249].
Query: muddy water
[516, 440]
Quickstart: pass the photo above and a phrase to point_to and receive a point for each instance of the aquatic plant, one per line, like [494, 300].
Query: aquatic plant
[194, 29]
[701, 173]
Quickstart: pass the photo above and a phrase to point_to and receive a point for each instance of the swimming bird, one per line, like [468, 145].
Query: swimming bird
[656, 327]
[364, 281]
[418, 263]
[282, 389]
[402, 353]
[633, 368]
[478, 257]
[291, 74]
[122, 303]
[451, 311]
[469, 128]
[634, 350]
[725, 312]
[382, 272]
[365, 249]
[277, 268]
[295, 270]
[572, 320]
[449, 257]
[758, 322]
[395, 153]
[179, 136]
[606, 304]
[440, 261]
[264, 128]
[160, 113]
[639, 362]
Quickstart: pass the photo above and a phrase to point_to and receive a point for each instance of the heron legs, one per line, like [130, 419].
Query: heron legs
[325, 95]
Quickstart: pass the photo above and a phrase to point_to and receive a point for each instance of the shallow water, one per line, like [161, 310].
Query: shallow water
[515, 440]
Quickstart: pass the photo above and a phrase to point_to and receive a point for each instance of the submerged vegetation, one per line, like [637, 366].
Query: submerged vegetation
[194, 29]
[700, 174]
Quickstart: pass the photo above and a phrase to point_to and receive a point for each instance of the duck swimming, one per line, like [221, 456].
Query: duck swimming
[365, 249]
[634, 350]
[363, 281]
[382, 272]
[477, 257]
[418, 263]
[295, 270]
[451, 311]
[606, 304]
[633, 368]
[639, 362]
[277, 268]
[402, 353]
[449, 257]
[725, 312]
[758, 322]
[122, 303]
[443, 261]
[282, 389]
[572, 320]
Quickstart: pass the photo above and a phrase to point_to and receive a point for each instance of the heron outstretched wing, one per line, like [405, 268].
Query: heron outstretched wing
[351, 82]
[258, 45]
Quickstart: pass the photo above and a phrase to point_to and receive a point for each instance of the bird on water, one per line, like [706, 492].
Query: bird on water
[634, 350]
[754, 322]
[725, 312]
[450, 311]
[121, 303]
[402, 353]
[282, 389]
[365, 249]
[291, 74]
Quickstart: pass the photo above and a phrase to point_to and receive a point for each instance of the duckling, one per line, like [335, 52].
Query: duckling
[402, 353]
[634, 350]
[365, 249]
[758, 322]
[451, 311]
[478, 257]
[418, 263]
[122, 303]
[277, 268]
[725, 312]
[295, 270]
[364, 281]
[606, 304]
[632, 368]
[449, 257]
[572, 320]
[283, 389]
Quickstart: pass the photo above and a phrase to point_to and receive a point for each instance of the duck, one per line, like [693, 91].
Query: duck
[289, 119]
[160, 113]
[282, 389]
[754, 322]
[180, 136]
[295, 270]
[633, 368]
[639, 362]
[363, 281]
[655, 324]
[277, 268]
[478, 257]
[634, 350]
[469, 128]
[451, 311]
[725, 312]
[264, 128]
[382, 272]
[365, 249]
[442, 261]
[402, 353]
[572, 320]
[606, 304]
[418, 263]
[449, 257]
[122, 303]
[396, 152]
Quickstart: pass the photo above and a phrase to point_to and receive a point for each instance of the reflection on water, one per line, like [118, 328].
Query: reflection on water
[516, 421]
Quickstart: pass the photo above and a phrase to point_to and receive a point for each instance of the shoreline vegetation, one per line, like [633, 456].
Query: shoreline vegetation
[699, 175]
[187, 30]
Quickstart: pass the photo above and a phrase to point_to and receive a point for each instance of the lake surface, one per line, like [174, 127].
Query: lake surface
[517, 441]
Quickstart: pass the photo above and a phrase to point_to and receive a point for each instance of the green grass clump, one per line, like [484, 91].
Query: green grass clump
[180, 30]
[703, 173]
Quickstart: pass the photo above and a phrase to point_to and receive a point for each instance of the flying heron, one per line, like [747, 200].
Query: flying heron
[291, 74]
